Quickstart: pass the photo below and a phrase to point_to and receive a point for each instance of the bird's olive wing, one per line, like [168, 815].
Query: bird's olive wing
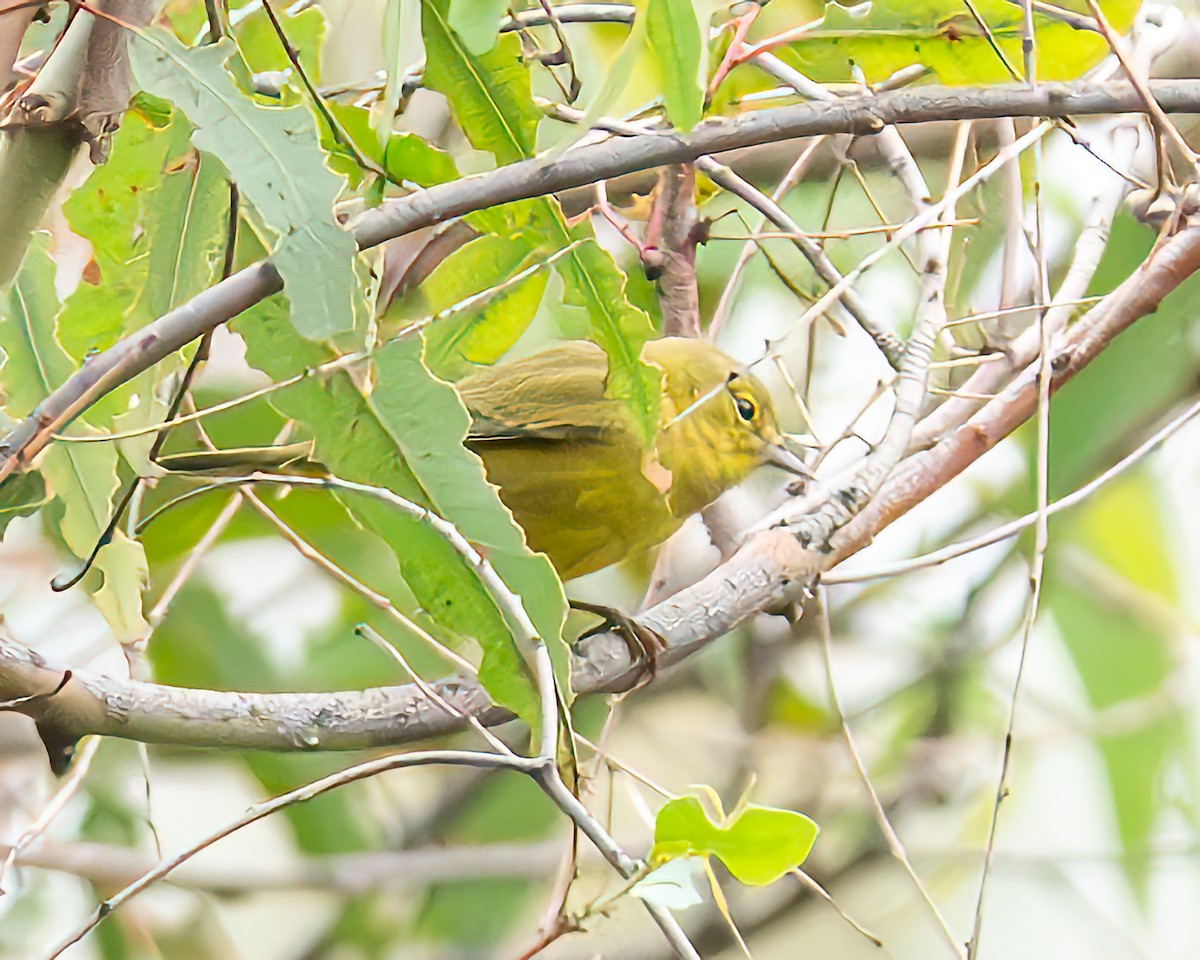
[555, 395]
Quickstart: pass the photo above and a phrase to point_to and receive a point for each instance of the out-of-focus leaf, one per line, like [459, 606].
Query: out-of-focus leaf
[260, 46]
[490, 97]
[883, 36]
[201, 645]
[1121, 644]
[1103, 412]
[483, 332]
[477, 22]
[675, 39]
[21, 495]
[674, 886]
[83, 476]
[274, 156]
[757, 844]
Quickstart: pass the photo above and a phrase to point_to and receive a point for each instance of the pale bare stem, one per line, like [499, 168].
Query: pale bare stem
[810, 884]
[548, 779]
[1011, 529]
[376, 599]
[849, 430]
[930, 215]
[1045, 377]
[1013, 198]
[887, 341]
[67, 788]
[894, 843]
[1028, 43]
[370, 768]
[1134, 71]
[790, 179]
[817, 526]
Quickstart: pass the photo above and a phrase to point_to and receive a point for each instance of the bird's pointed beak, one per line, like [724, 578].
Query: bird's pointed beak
[784, 453]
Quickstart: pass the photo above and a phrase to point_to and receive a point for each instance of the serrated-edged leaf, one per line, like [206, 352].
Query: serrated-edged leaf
[594, 282]
[274, 156]
[428, 422]
[675, 40]
[353, 443]
[757, 844]
[489, 92]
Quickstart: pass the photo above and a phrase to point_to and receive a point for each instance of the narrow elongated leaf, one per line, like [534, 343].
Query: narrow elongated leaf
[883, 36]
[673, 32]
[490, 96]
[428, 423]
[490, 92]
[274, 156]
[82, 477]
[353, 440]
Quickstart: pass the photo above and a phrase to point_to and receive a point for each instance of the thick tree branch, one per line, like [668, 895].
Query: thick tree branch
[589, 164]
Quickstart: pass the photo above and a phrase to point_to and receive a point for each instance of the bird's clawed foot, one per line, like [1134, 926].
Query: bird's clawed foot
[644, 644]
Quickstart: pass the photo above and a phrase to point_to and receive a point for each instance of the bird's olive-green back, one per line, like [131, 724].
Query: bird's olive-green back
[568, 461]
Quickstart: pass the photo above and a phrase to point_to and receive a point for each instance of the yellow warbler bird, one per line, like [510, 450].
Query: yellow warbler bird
[568, 461]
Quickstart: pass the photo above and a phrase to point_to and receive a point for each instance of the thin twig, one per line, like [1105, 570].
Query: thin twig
[895, 845]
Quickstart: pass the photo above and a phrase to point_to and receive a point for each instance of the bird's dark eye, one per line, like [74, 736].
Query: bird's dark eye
[745, 408]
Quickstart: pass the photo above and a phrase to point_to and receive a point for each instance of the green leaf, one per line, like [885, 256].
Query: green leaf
[757, 844]
[83, 476]
[489, 92]
[675, 40]
[274, 156]
[155, 215]
[883, 36]
[428, 423]
[260, 46]
[354, 442]
[483, 332]
[21, 495]
[405, 156]
[1122, 649]
[477, 22]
